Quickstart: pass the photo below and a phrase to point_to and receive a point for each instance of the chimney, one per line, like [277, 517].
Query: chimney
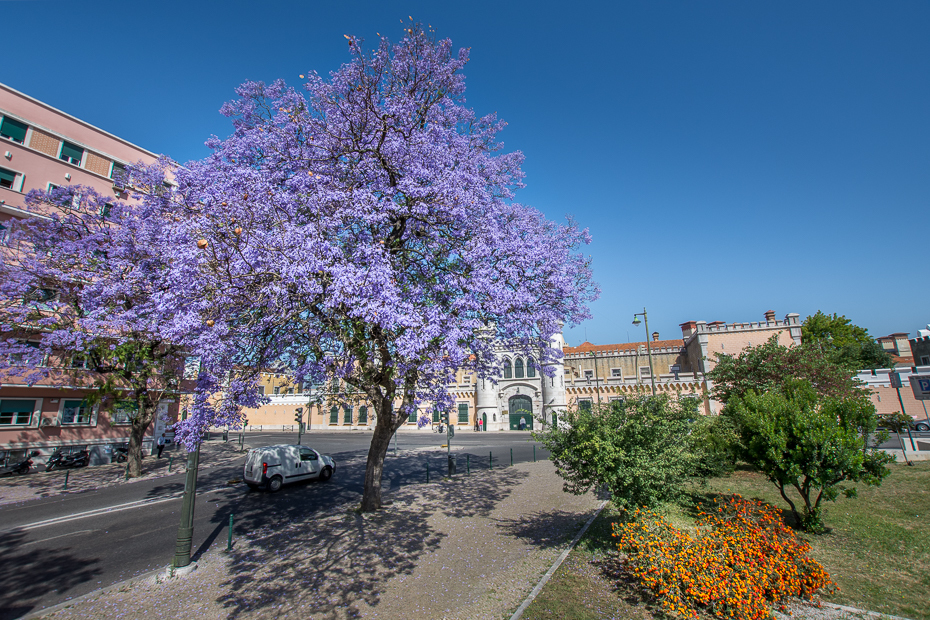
[688, 328]
[655, 336]
[769, 316]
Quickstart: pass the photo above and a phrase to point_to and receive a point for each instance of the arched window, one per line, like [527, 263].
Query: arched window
[507, 371]
[347, 415]
[518, 369]
[530, 367]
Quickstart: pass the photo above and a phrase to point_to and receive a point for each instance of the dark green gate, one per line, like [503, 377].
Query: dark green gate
[520, 408]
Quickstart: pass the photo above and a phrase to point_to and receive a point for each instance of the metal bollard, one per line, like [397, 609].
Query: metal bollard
[229, 540]
[534, 453]
[490, 460]
[170, 460]
[467, 464]
[67, 473]
[127, 471]
[511, 457]
[427, 473]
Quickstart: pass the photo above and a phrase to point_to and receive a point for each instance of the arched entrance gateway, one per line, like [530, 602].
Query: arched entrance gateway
[520, 408]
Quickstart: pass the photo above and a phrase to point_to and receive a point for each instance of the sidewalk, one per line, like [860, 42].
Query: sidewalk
[471, 548]
[48, 484]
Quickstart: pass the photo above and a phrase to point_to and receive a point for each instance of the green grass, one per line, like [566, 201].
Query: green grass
[877, 549]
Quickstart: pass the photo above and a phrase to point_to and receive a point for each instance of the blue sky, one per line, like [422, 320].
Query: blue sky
[728, 157]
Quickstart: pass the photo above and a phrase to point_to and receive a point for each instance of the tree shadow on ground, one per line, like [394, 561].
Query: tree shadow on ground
[307, 551]
[545, 529]
[27, 573]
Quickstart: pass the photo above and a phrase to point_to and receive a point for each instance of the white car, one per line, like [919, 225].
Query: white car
[274, 466]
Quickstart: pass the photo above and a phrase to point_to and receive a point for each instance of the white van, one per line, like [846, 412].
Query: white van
[274, 466]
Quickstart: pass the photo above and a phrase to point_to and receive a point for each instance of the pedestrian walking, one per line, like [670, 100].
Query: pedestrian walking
[161, 444]
[476, 423]
[522, 423]
[480, 424]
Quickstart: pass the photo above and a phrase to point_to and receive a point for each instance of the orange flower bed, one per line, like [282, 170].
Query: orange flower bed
[746, 561]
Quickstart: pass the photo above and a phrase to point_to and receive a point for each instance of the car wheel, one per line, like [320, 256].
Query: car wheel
[922, 426]
[275, 484]
[326, 474]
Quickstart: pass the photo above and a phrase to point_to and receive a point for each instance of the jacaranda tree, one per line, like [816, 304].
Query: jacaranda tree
[362, 230]
[82, 300]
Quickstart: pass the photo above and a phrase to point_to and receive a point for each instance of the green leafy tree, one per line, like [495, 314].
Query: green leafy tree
[770, 366]
[812, 443]
[843, 343]
[636, 448]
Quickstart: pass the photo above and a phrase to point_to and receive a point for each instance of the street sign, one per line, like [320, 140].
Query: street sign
[920, 384]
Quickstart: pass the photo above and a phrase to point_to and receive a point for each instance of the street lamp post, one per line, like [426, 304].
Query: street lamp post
[597, 379]
[636, 321]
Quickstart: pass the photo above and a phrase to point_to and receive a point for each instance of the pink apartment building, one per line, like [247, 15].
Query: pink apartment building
[41, 147]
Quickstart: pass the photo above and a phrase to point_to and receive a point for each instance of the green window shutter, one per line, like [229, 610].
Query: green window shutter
[334, 415]
[14, 130]
[463, 413]
[71, 153]
[435, 415]
[412, 417]
[363, 415]
[584, 405]
[7, 178]
[347, 417]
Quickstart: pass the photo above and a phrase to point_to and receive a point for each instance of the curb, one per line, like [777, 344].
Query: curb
[545, 578]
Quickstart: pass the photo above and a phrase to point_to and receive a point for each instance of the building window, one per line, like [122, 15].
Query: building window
[71, 153]
[123, 413]
[466, 379]
[584, 404]
[13, 130]
[645, 372]
[4, 235]
[277, 389]
[334, 415]
[530, 368]
[588, 374]
[16, 412]
[508, 373]
[363, 415]
[463, 413]
[261, 390]
[412, 417]
[925, 360]
[616, 373]
[518, 369]
[435, 415]
[8, 179]
[75, 412]
[347, 415]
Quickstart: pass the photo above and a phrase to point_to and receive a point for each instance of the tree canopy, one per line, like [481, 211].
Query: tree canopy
[770, 366]
[843, 343]
[362, 229]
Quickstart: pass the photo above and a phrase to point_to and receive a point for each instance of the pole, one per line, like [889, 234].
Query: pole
[534, 452]
[597, 378]
[898, 390]
[925, 411]
[395, 443]
[182, 551]
[229, 539]
[427, 472]
[67, 473]
[652, 373]
[467, 464]
[490, 460]
[511, 457]
[449, 446]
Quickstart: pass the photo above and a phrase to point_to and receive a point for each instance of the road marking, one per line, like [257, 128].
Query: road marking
[35, 542]
[103, 511]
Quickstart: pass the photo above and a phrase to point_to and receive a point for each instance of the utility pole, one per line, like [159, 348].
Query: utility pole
[182, 550]
[652, 373]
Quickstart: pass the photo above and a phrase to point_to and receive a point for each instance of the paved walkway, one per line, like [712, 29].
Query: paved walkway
[471, 548]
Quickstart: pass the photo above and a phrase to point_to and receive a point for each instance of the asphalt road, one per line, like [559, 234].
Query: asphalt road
[59, 548]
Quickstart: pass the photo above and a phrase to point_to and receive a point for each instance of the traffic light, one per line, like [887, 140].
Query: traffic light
[445, 418]
[299, 415]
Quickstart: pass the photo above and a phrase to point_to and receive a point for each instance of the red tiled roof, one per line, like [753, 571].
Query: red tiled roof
[587, 347]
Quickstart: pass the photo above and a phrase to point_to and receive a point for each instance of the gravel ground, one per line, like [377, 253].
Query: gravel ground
[471, 548]
[48, 484]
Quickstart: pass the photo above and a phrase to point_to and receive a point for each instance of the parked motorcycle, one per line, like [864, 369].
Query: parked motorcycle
[22, 467]
[65, 460]
[120, 454]
[439, 428]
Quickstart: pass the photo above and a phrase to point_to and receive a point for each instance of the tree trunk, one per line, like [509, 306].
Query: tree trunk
[139, 425]
[385, 428]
